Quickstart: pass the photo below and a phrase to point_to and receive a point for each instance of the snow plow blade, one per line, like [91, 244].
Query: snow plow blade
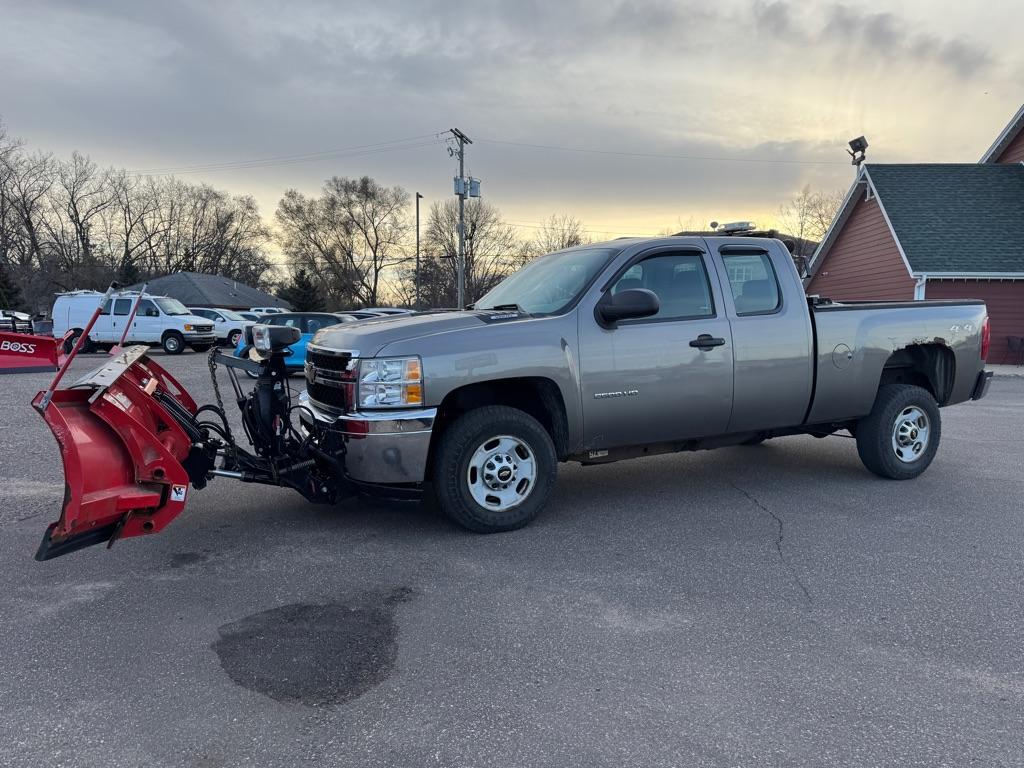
[28, 353]
[123, 450]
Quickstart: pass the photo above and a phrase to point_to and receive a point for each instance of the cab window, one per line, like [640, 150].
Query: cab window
[754, 285]
[680, 282]
[148, 309]
[122, 307]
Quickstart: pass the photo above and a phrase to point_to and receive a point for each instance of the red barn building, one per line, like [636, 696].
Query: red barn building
[934, 231]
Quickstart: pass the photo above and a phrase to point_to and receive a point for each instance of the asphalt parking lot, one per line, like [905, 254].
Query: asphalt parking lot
[758, 606]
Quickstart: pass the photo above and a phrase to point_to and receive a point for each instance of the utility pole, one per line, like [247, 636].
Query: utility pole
[416, 303]
[461, 189]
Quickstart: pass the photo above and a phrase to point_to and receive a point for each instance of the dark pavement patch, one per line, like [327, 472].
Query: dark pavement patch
[319, 655]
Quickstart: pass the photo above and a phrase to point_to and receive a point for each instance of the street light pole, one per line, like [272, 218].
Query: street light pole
[416, 303]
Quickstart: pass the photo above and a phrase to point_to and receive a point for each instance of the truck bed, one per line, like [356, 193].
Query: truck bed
[856, 340]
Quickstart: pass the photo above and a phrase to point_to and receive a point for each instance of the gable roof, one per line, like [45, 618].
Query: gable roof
[1006, 136]
[197, 289]
[954, 218]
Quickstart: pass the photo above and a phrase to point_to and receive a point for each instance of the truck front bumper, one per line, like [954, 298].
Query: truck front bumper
[200, 338]
[381, 447]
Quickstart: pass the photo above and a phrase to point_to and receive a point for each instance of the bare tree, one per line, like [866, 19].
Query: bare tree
[493, 250]
[558, 232]
[354, 235]
[808, 216]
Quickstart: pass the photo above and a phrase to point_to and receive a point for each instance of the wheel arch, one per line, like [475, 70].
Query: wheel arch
[537, 396]
[929, 366]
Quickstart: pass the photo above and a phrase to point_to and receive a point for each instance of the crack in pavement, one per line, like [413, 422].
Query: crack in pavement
[778, 542]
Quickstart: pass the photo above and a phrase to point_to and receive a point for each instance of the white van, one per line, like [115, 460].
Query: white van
[160, 320]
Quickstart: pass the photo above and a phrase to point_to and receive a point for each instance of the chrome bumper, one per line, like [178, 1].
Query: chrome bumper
[384, 447]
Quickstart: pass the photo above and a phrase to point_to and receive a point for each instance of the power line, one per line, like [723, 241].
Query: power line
[424, 140]
[619, 153]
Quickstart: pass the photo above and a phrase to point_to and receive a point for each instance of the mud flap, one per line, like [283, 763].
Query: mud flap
[122, 453]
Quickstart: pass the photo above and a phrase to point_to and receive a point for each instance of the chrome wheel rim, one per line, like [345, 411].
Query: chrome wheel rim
[172, 344]
[910, 434]
[501, 473]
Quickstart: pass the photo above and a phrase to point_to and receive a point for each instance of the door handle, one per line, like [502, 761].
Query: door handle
[706, 341]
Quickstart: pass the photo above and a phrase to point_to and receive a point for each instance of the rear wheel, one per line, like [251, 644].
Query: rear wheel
[173, 343]
[900, 437]
[494, 470]
[233, 338]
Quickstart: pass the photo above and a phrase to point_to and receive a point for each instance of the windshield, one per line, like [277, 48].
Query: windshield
[172, 307]
[230, 315]
[548, 284]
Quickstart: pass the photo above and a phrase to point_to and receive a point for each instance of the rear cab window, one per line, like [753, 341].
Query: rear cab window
[753, 282]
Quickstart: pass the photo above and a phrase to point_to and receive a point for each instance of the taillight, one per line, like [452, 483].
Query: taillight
[986, 339]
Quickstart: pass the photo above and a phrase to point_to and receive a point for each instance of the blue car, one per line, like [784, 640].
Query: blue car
[308, 324]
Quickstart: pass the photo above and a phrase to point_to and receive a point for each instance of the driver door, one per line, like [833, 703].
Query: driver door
[664, 378]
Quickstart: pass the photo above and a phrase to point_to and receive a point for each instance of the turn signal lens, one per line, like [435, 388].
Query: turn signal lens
[986, 338]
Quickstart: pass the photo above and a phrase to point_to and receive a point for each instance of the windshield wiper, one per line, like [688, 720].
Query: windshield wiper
[507, 308]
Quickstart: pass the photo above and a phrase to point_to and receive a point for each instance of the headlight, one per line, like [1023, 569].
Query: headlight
[261, 337]
[189, 327]
[390, 382]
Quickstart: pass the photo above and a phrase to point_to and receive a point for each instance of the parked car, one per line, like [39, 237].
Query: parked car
[389, 310]
[308, 324]
[361, 314]
[267, 310]
[227, 324]
[159, 320]
[254, 316]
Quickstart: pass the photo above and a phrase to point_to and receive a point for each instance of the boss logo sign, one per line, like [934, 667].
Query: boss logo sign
[17, 346]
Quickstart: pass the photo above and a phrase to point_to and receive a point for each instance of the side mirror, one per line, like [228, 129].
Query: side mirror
[626, 305]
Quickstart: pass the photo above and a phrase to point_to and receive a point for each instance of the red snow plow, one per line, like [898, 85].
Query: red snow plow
[23, 351]
[132, 440]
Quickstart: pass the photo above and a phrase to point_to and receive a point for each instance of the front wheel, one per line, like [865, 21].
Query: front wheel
[233, 338]
[494, 470]
[900, 436]
[173, 343]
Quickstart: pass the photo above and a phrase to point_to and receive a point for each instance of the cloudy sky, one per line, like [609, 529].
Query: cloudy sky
[692, 111]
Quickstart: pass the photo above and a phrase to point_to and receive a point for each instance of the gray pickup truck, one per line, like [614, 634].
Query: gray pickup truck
[630, 348]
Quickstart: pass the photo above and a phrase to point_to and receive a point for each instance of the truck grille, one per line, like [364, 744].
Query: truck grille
[329, 380]
[203, 328]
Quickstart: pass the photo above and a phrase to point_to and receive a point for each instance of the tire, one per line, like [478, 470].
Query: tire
[900, 437]
[173, 343]
[87, 348]
[233, 338]
[476, 453]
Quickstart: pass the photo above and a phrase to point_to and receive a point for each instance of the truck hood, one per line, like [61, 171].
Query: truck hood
[368, 337]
